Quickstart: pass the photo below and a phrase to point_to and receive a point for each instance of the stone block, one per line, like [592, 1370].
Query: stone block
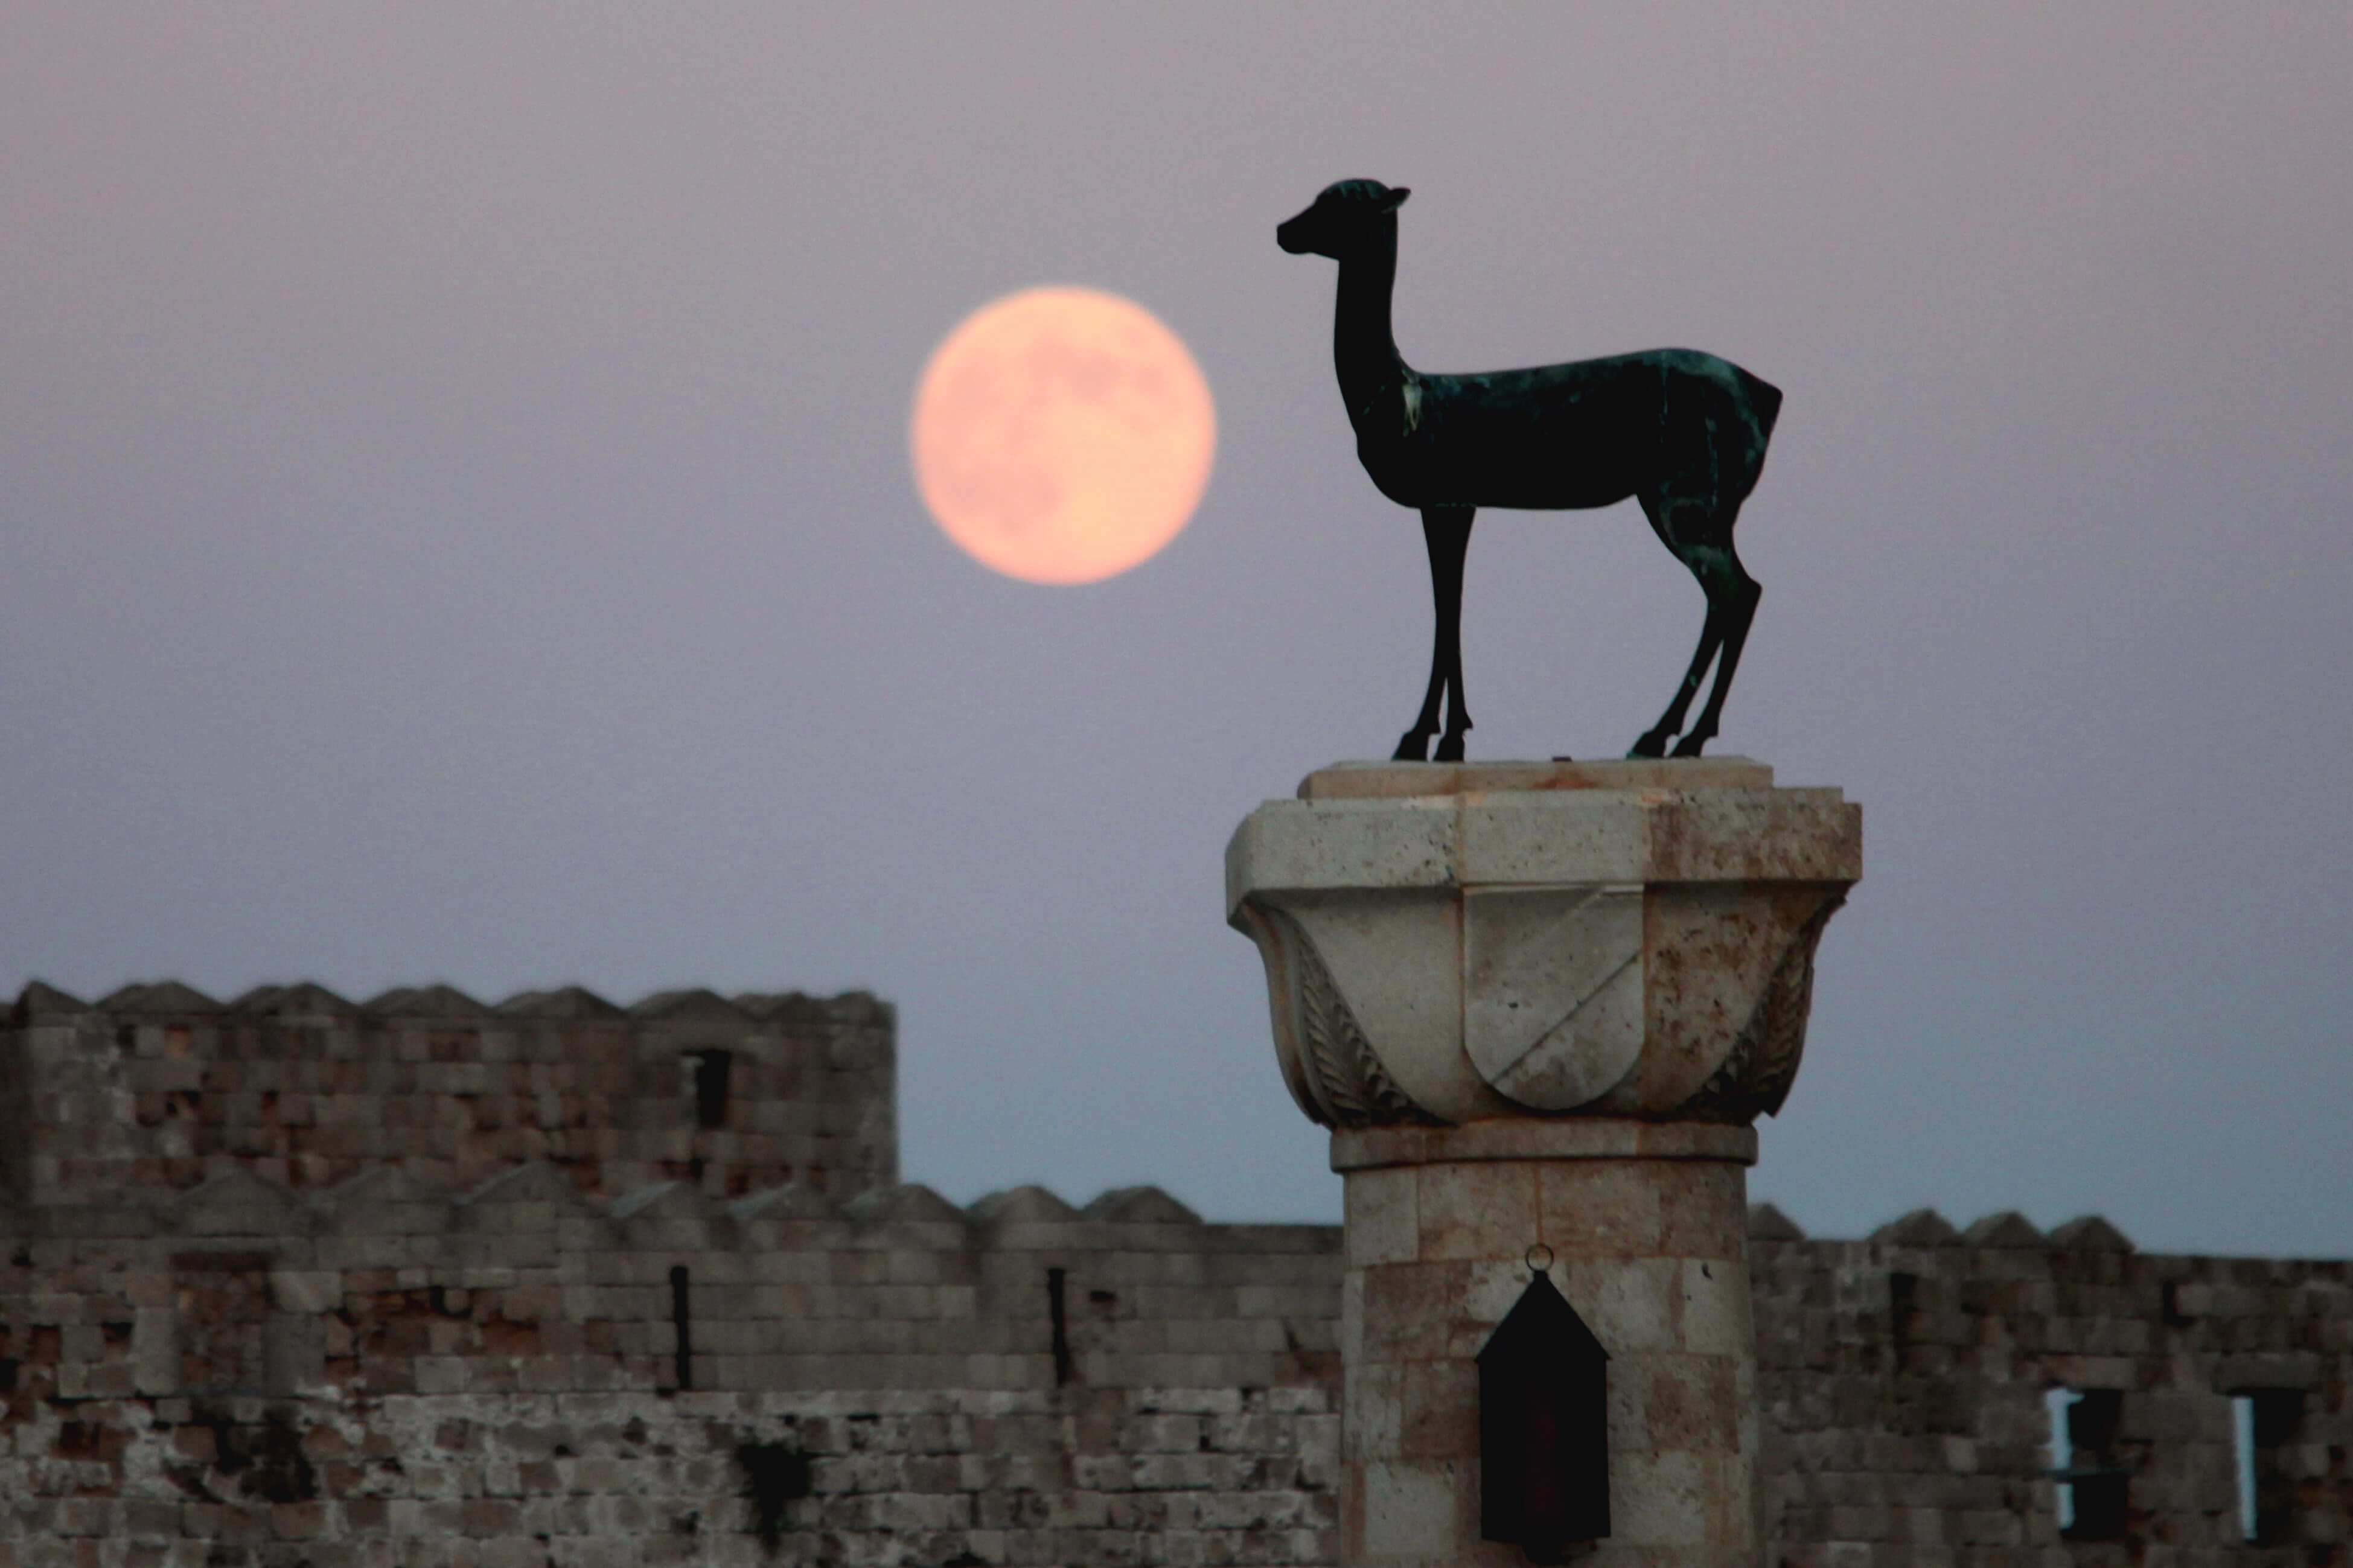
[1407, 1311]
[1383, 1217]
[1659, 1499]
[1438, 1411]
[1690, 1403]
[1410, 1512]
[1476, 1210]
[1715, 1310]
[1631, 1304]
[306, 1291]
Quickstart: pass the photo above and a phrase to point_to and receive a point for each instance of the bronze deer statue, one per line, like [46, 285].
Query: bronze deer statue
[1681, 432]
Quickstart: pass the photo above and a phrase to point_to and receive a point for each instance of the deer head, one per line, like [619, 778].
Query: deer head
[1340, 217]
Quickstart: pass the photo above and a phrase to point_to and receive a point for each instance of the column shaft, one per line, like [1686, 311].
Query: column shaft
[1646, 1223]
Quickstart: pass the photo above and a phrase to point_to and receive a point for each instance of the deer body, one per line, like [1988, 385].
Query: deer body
[1681, 432]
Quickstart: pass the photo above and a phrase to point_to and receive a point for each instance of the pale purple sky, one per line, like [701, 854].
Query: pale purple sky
[454, 525]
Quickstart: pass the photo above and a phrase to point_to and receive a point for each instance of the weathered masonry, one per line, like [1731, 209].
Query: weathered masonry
[1918, 1387]
[294, 1281]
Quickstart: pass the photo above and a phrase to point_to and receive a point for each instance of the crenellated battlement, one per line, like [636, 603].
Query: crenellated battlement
[161, 1087]
[283, 1294]
[272, 1219]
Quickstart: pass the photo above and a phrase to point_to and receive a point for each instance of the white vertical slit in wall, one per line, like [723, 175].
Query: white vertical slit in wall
[2243, 1443]
[2062, 1452]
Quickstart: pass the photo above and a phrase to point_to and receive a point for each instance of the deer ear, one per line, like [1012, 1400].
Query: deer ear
[1397, 196]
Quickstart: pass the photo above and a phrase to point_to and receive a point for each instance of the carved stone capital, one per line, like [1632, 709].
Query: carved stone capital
[1447, 944]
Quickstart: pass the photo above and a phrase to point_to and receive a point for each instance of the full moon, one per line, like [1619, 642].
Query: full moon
[1062, 435]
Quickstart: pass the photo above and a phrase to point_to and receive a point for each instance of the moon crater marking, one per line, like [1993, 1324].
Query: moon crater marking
[1062, 435]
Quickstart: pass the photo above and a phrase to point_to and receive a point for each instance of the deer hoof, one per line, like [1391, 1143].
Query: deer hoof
[1413, 748]
[1653, 745]
[1449, 750]
[1689, 746]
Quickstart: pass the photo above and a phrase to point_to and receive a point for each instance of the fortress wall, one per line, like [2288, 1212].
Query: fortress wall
[370, 1374]
[159, 1086]
[434, 1358]
[382, 1373]
[1906, 1381]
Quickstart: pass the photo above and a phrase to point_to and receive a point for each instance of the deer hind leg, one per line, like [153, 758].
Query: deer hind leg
[1732, 595]
[1654, 742]
[1702, 542]
[1446, 530]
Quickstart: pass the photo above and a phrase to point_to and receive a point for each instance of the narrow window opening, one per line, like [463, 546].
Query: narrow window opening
[1903, 1310]
[1055, 1308]
[2091, 1484]
[2264, 1423]
[712, 1071]
[683, 1369]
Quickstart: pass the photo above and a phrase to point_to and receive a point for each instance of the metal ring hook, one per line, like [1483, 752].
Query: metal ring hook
[1530, 1259]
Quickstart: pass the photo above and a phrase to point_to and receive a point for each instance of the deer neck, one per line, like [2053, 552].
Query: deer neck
[1372, 375]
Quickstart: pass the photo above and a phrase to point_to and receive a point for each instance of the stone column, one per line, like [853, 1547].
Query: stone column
[1539, 1004]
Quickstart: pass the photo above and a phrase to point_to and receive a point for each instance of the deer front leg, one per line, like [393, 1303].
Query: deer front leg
[1446, 531]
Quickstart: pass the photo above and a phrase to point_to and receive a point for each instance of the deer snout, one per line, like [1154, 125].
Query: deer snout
[1293, 234]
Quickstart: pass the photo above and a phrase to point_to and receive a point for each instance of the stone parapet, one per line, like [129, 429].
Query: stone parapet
[241, 1288]
[160, 1085]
